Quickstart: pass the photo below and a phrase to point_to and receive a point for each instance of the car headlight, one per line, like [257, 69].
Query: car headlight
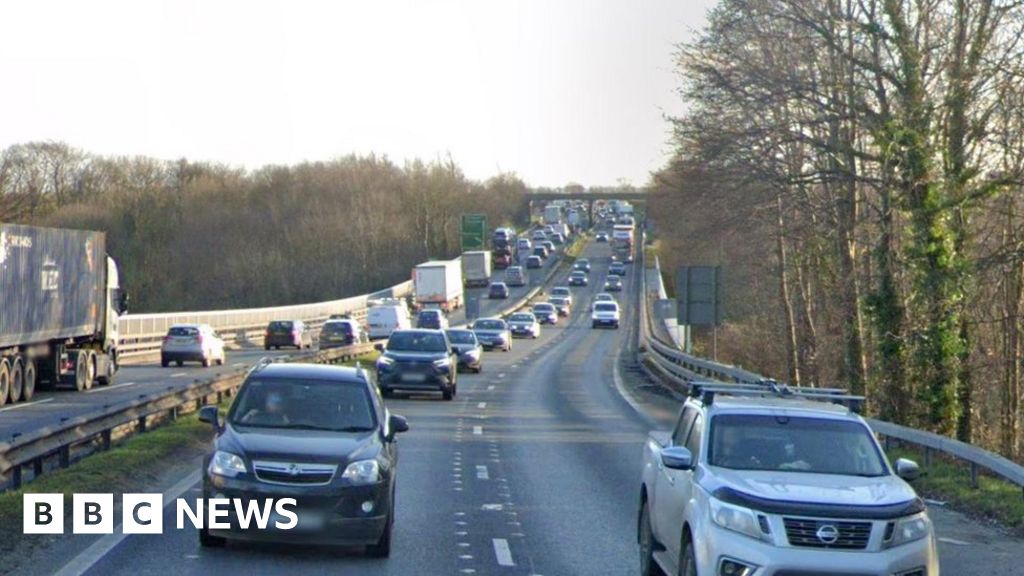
[735, 518]
[473, 352]
[226, 464]
[362, 472]
[910, 529]
[442, 362]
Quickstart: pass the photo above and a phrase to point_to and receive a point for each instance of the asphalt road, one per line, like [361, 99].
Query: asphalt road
[140, 376]
[532, 470]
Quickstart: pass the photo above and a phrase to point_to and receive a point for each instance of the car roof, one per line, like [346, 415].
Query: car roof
[767, 405]
[489, 318]
[187, 326]
[419, 331]
[308, 371]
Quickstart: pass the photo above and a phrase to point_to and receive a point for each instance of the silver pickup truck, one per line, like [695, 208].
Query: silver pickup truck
[772, 481]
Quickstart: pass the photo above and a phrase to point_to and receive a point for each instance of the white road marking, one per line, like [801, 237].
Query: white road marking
[114, 387]
[90, 556]
[501, 375]
[502, 552]
[238, 364]
[492, 507]
[490, 387]
[481, 473]
[954, 541]
[482, 405]
[478, 430]
[16, 406]
[178, 374]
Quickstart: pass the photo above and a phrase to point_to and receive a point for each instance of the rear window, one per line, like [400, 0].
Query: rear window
[560, 291]
[279, 326]
[183, 331]
[337, 328]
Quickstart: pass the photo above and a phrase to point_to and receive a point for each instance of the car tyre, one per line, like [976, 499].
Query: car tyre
[688, 563]
[448, 393]
[179, 362]
[382, 549]
[164, 362]
[645, 540]
[206, 540]
[205, 362]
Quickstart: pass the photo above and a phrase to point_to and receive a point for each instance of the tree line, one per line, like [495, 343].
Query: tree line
[857, 167]
[201, 236]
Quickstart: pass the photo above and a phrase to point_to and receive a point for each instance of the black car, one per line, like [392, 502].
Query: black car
[418, 361]
[469, 349]
[316, 433]
[613, 284]
[546, 313]
[582, 265]
[498, 291]
[431, 320]
[601, 237]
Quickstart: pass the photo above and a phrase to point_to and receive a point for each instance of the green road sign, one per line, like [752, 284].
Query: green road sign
[474, 232]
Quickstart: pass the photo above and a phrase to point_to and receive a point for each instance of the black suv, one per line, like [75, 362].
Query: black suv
[418, 360]
[319, 434]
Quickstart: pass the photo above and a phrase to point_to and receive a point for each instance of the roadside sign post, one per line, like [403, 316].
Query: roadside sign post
[473, 232]
[698, 293]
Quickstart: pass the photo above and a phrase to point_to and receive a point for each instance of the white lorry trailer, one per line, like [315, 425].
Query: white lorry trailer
[438, 284]
[476, 268]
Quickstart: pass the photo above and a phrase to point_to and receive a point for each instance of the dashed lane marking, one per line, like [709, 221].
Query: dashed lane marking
[114, 387]
[478, 430]
[481, 472]
[502, 552]
[482, 405]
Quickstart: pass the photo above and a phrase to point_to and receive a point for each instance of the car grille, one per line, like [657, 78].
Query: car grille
[411, 366]
[294, 474]
[847, 535]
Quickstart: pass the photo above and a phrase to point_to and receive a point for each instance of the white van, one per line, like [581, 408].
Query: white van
[382, 320]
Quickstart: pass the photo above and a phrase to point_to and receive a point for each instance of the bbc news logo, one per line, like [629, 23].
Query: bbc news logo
[144, 514]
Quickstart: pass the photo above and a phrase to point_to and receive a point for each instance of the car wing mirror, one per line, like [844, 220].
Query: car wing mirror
[211, 415]
[378, 347]
[396, 425]
[677, 458]
[907, 469]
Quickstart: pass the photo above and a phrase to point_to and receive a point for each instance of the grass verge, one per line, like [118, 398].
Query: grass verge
[950, 481]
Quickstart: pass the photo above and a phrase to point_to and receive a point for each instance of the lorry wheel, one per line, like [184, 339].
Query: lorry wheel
[91, 373]
[108, 375]
[81, 370]
[5, 381]
[28, 388]
[17, 380]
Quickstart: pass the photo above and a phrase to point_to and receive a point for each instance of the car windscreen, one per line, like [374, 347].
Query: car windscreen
[521, 318]
[793, 444]
[488, 325]
[183, 331]
[416, 342]
[605, 307]
[305, 405]
[461, 337]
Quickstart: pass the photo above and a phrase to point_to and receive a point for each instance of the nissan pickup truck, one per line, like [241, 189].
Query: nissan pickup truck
[778, 481]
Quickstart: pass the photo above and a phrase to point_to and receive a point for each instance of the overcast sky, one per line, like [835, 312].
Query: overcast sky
[554, 90]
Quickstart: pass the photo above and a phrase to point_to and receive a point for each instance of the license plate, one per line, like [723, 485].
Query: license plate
[307, 521]
[414, 377]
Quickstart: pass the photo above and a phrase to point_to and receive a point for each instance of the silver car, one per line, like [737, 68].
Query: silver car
[524, 324]
[493, 333]
[192, 343]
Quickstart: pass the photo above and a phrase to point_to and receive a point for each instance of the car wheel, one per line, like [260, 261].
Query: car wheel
[208, 541]
[448, 393]
[479, 369]
[179, 362]
[688, 563]
[386, 392]
[645, 539]
[164, 362]
[382, 549]
[205, 362]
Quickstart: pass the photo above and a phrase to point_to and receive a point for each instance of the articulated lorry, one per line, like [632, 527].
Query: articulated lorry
[60, 299]
[438, 284]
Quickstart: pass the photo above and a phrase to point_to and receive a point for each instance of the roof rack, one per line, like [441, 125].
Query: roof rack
[706, 391]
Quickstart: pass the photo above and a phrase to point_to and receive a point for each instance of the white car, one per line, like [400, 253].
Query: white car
[192, 343]
[602, 297]
[605, 314]
[562, 292]
[524, 324]
[385, 319]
